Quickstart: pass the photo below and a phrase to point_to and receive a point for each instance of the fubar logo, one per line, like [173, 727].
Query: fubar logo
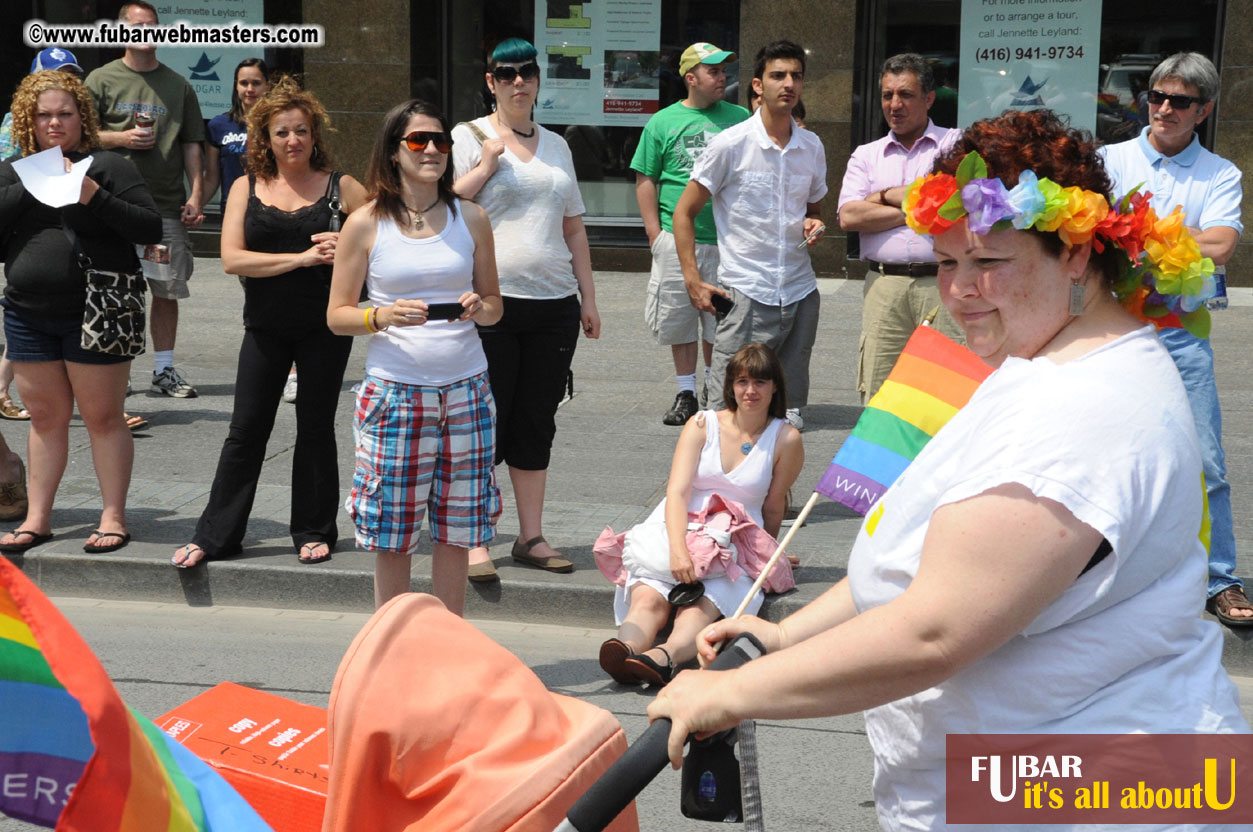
[1099, 778]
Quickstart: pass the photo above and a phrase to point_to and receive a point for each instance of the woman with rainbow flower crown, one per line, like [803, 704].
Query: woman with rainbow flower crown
[1038, 567]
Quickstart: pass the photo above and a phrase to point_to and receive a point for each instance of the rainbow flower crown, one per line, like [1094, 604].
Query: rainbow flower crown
[1163, 279]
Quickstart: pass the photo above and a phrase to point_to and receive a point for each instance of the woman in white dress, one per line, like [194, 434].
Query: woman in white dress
[747, 453]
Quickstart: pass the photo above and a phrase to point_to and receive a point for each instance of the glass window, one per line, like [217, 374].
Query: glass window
[602, 152]
[1135, 36]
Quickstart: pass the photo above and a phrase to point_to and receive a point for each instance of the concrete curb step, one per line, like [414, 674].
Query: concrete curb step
[544, 598]
[521, 595]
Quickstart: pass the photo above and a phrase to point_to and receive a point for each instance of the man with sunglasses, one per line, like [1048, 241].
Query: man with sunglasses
[1167, 160]
[672, 141]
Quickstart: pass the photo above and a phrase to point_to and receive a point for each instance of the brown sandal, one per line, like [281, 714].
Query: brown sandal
[10, 410]
[522, 554]
[1231, 598]
[613, 656]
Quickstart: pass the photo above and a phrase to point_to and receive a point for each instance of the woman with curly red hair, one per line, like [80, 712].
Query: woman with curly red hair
[45, 294]
[1034, 570]
[275, 233]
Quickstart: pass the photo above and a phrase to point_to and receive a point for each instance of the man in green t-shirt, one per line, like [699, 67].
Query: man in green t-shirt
[672, 140]
[149, 114]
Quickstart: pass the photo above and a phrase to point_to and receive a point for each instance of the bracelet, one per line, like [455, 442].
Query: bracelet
[368, 328]
[377, 328]
[883, 196]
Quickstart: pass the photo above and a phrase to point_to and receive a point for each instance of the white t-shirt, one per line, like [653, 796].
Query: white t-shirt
[760, 194]
[1109, 436]
[526, 203]
[437, 269]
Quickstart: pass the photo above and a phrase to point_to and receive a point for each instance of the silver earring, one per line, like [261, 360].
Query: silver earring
[1077, 292]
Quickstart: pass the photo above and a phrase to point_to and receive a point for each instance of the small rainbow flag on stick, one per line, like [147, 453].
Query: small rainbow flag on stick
[931, 381]
[72, 755]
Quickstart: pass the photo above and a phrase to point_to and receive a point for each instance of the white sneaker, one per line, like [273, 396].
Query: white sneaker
[170, 382]
[289, 389]
[794, 418]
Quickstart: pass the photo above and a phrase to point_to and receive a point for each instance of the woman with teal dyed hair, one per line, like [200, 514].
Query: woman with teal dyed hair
[523, 176]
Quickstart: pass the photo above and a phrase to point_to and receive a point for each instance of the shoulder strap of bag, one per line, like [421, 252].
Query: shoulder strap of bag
[80, 256]
[334, 202]
[479, 135]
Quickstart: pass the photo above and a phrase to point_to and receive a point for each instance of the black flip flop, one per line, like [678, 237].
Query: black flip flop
[36, 539]
[319, 559]
[97, 549]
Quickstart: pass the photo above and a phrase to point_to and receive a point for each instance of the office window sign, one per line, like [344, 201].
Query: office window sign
[1028, 54]
[599, 60]
[210, 68]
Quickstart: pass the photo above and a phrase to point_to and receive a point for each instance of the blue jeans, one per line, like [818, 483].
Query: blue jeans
[1195, 359]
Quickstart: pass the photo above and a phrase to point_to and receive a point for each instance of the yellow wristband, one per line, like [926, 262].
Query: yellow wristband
[368, 327]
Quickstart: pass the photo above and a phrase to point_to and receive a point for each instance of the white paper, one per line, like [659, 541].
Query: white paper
[47, 180]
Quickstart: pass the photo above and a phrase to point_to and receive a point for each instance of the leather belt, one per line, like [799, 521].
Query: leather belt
[905, 269]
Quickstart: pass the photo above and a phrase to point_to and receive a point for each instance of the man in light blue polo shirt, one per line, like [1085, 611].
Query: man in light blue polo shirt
[1167, 159]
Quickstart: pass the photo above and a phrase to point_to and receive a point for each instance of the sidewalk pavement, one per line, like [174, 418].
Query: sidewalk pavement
[609, 467]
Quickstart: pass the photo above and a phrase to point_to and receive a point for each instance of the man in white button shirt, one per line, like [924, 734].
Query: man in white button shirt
[767, 178]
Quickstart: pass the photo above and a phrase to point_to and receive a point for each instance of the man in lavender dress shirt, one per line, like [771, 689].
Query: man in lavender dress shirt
[900, 289]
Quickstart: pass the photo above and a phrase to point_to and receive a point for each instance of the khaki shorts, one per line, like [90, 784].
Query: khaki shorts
[174, 235]
[668, 310]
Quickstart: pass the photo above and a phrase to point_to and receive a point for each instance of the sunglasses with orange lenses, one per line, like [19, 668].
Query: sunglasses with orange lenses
[419, 139]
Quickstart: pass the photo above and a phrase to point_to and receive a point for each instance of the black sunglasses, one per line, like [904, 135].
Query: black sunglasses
[419, 139]
[1177, 101]
[506, 74]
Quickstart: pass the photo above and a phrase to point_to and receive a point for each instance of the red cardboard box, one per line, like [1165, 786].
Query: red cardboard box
[271, 749]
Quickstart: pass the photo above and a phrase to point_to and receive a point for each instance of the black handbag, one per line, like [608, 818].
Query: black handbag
[114, 314]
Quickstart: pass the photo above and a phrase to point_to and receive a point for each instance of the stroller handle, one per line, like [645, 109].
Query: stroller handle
[645, 759]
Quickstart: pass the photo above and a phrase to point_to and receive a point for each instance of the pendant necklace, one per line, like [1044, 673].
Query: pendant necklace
[746, 447]
[418, 222]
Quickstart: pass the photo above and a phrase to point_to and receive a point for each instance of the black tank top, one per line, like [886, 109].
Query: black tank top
[296, 299]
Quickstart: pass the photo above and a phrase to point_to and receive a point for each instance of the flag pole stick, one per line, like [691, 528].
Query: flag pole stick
[761, 579]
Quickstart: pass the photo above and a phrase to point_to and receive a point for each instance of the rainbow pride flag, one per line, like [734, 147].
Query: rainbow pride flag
[73, 756]
[932, 380]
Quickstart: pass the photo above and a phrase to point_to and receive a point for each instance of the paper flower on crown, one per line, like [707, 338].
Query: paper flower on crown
[1163, 278]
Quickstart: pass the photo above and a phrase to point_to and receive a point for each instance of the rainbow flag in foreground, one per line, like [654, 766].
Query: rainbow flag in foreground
[932, 380]
[72, 755]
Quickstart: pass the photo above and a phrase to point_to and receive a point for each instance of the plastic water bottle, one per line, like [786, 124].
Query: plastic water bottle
[1219, 301]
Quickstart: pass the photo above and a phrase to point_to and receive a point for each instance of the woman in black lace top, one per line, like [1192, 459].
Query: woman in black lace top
[275, 232]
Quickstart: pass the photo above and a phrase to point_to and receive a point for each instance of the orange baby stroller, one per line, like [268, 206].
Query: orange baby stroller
[435, 727]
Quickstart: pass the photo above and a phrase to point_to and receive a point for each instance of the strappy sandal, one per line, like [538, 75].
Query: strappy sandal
[522, 554]
[135, 422]
[647, 670]
[10, 410]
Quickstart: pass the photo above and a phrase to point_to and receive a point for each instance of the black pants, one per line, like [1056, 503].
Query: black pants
[528, 358]
[265, 356]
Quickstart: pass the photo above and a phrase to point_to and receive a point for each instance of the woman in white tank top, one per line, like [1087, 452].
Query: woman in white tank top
[425, 420]
[747, 453]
